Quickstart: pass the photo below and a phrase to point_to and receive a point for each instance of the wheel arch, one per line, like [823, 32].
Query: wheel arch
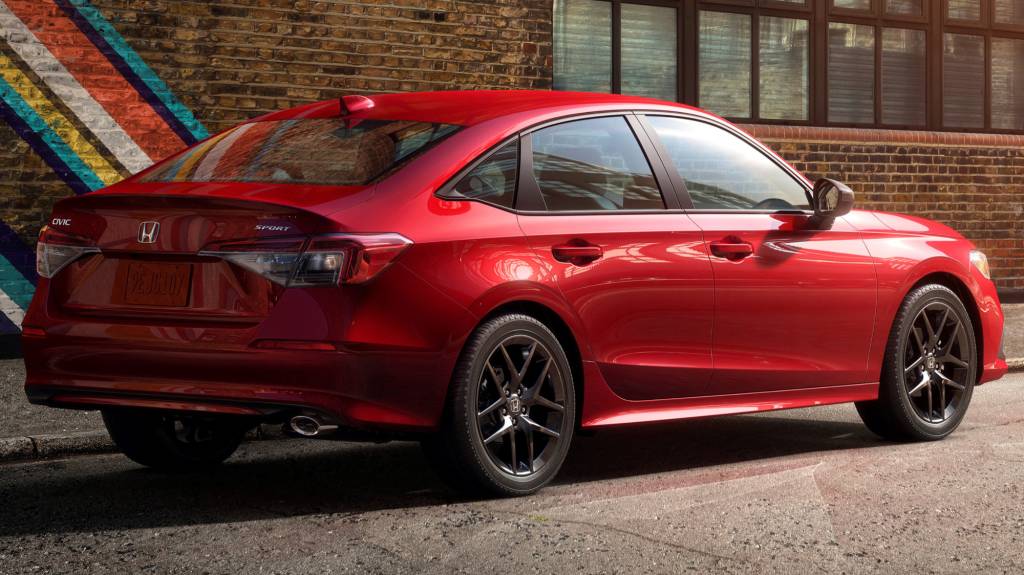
[959, 287]
[562, 331]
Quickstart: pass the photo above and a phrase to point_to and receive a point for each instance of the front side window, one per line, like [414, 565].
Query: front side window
[493, 180]
[721, 171]
[330, 151]
[593, 164]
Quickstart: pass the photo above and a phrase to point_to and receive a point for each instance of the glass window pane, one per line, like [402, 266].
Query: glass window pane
[903, 76]
[649, 51]
[963, 81]
[722, 171]
[593, 164]
[905, 7]
[1010, 11]
[493, 180]
[327, 151]
[583, 45]
[724, 64]
[964, 9]
[783, 79]
[852, 4]
[1008, 84]
[851, 73]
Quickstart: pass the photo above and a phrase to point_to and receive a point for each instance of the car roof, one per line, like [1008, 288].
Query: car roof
[470, 107]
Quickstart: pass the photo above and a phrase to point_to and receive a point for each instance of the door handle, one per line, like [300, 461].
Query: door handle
[577, 254]
[732, 249]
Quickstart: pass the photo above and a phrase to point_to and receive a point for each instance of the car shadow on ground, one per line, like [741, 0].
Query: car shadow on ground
[287, 479]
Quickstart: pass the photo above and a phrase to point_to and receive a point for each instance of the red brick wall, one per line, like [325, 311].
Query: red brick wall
[232, 59]
[971, 182]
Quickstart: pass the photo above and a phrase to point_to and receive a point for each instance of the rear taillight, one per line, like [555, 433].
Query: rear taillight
[326, 260]
[56, 250]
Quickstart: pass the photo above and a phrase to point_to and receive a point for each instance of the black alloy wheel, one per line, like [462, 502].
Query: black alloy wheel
[929, 370]
[510, 417]
[936, 362]
[521, 401]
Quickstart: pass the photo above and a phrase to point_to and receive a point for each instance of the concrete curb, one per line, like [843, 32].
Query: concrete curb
[1015, 364]
[51, 446]
[55, 445]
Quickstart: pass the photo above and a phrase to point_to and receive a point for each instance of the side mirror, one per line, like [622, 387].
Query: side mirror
[831, 199]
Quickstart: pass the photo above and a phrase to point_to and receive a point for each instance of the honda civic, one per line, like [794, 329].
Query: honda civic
[489, 273]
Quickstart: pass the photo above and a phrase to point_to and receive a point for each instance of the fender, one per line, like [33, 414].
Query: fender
[536, 293]
[895, 283]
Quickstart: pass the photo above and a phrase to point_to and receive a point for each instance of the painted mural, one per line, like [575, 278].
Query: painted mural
[86, 103]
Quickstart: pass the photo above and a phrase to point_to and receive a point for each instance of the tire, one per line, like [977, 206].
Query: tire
[484, 444]
[929, 370]
[171, 442]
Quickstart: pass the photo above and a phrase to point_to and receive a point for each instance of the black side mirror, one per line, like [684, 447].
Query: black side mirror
[831, 199]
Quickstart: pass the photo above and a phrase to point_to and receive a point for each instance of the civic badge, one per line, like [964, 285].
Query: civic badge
[148, 232]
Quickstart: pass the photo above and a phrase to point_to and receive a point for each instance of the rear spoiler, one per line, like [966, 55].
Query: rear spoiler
[353, 104]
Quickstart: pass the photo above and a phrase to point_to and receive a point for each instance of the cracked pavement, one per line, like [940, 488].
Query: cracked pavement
[797, 491]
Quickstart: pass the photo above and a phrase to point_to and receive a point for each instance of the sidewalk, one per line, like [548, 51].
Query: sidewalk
[32, 431]
[1014, 335]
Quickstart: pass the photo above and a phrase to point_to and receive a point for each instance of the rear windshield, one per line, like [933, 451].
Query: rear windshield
[332, 151]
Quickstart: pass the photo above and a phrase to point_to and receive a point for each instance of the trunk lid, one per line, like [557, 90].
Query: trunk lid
[150, 237]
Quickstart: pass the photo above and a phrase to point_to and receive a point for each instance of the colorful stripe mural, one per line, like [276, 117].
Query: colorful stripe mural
[87, 104]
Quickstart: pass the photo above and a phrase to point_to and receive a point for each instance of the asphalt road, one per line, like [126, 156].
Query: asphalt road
[794, 492]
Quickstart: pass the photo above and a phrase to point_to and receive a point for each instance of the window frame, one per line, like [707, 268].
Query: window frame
[756, 11]
[679, 183]
[934, 21]
[616, 41]
[981, 23]
[670, 182]
[999, 27]
[446, 190]
[878, 20]
[988, 29]
[530, 199]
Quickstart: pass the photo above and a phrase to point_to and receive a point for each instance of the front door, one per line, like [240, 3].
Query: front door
[794, 302]
[628, 261]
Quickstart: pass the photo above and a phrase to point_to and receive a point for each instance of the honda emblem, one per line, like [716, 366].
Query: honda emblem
[148, 232]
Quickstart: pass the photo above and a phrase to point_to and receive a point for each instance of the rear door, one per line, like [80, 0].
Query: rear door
[600, 211]
[794, 302]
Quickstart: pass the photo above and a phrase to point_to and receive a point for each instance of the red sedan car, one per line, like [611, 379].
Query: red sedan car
[489, 272]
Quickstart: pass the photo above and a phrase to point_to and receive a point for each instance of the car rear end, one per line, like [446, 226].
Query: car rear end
[224, 281]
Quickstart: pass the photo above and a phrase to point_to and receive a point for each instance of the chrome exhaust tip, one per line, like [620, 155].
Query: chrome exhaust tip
[309, 426]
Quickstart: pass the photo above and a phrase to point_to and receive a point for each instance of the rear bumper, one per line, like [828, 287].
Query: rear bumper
[369, 389]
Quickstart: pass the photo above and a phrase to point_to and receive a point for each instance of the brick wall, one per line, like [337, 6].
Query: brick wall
[233, 59]
[972, 182]
[28, 187]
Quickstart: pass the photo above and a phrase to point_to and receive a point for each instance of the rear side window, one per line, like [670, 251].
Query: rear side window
[332, 151]
[593, 164]
[493, 180]
[721, 171]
